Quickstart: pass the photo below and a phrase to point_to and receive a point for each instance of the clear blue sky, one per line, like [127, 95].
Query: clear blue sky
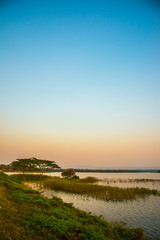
[79, 70]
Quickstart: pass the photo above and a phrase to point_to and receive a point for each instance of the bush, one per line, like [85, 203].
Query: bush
[75, 177]
[68, 173]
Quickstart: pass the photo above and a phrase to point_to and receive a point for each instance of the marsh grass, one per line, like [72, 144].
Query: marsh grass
[25, 214]
[139, 180]
[106, 193]
[87, 187]
[89, 180]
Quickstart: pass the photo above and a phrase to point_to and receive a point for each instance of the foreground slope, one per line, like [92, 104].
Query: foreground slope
[25, 214]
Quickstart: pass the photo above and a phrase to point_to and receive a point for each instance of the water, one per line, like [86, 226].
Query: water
[142, 175]
[143, 213]
[114, 179]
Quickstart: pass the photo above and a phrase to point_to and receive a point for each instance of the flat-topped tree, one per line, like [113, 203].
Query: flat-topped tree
[31, 164]
[24, 165]
[43, 164]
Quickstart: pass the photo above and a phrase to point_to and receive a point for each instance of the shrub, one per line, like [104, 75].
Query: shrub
[68, 173]
[75, 177]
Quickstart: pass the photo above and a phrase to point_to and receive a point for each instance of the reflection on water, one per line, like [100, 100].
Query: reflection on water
[143, 213]
[113, 179]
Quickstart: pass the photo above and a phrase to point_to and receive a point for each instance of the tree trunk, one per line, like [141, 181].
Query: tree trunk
[23, 177]
[40, 174]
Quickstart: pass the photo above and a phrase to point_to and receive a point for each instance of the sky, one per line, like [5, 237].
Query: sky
[80, 82]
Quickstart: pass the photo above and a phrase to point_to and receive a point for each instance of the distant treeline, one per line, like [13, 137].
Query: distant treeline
[8, 168]
[117, 170]
[109, 170]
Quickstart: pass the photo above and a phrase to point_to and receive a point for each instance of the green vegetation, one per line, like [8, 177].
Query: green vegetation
[100, 192]
[131, 180]
[6, 167]
[35, 177]
[139, 180]
[25, 214]
[85, 186]
[68, 173]
[30, 177]
[33, 164]
[41, 165]
[89, 180]
[75, 177]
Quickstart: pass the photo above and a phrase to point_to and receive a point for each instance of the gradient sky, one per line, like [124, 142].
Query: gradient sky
[80, 82]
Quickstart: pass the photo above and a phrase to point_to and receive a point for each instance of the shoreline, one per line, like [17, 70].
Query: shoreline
[24, 212]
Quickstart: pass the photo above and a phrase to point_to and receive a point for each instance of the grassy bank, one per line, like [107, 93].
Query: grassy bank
[25, 214]
[100, 192]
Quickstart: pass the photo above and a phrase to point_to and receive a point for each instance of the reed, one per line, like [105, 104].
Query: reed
[89, 180]
[132, 180]
[100, 192]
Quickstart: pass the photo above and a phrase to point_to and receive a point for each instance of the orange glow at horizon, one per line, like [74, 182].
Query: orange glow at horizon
[120, 152]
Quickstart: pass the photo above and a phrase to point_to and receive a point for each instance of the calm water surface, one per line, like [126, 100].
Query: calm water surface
[113, 175]
[143, 213]
[108, 178]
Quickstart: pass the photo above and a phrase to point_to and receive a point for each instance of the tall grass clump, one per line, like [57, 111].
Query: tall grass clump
[89, 180]
[100, 192]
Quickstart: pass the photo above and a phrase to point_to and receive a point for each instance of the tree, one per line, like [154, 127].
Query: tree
[33, 164]
[24, 165]
[68, 173]
[5, 167]
[41, 165]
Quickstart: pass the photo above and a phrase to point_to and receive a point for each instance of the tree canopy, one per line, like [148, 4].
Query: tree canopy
[33, 164]
[24, 165]
[44, 164]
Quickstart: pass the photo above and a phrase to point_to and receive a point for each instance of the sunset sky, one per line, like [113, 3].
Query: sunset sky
[80, 82]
